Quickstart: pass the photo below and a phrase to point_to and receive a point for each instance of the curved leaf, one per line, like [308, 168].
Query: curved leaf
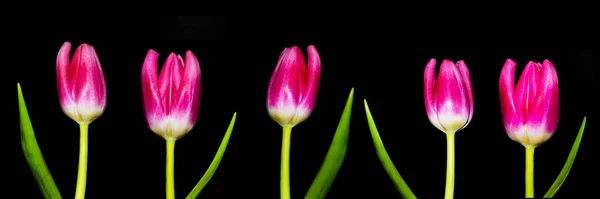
[565, 171]
[385, 159]
[33, 154]
[335, 156]
[215, 163]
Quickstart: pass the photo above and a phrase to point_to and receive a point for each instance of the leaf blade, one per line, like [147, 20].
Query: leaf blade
[335, 156]
[33, 154]
[560, 179]
[215, 163]
[385, 159]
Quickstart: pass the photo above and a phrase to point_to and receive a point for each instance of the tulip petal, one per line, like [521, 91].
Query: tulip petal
[311, 85]
[283, 95]
[430, 100]
[525, 92]
[543, 114]
[512, 120]
[466, 79]
[451, 98]
[169, 79]
[187, 100]
[89, 86]
[153, 105]
[62, 77]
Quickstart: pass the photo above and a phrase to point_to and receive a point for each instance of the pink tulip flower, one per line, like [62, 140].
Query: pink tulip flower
[530, 112]
[449, 98]
[171, 99]
[293, 88]
[81, 86]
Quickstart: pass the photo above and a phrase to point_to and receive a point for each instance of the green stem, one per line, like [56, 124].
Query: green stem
[83, 157]
[284, 182]
[450, 165]
[529, 151]
[170, 169]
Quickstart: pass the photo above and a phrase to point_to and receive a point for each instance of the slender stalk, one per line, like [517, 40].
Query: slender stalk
[170, 169]
[529, 151]
[449, 165]
[284, 182]
[83, 157]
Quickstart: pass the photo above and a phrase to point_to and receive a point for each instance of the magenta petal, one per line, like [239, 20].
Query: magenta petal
[62, 75]
[88, 86]
[429, 85]
[169, 79]
[89, 89]
[284, 89]
[526, 89]
[181, 62]
[99, 83]
[451, 98]
[152, 102]
[466, 78]
[512, 120]
[543, 115]
[307, 103]
[276, 81]
[185, 112]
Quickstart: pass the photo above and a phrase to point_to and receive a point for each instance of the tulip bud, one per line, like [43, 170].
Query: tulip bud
[293, 88]
[81, 86]
[530, 113]
[171, 99]
[449, 99]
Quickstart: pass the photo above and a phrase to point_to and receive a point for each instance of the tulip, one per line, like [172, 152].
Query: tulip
[171, 102]
[82, 97]
[81, 86]
[171, 99]
[291, 98]
[293, 89]
[449, 106]
[449, 99]
[530, 113]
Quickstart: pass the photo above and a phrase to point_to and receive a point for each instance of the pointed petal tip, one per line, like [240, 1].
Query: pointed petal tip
[66, 43]
[312, 49]
[510, 63]
[189, 53]
[151, 55]
[152, 52]
[295, 49]
[431, 62]
[548, 63]
[531, 62]
[86, 45]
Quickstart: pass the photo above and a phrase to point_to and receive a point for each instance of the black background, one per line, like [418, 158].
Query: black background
[383, 59]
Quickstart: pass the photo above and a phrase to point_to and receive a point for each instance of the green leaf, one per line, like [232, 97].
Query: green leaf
[385, 159]
[335, 156]
[33, 154]
[565, 171]
[215, 163]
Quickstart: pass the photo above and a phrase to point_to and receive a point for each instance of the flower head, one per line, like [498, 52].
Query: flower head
[171, 99]
[293, 88]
